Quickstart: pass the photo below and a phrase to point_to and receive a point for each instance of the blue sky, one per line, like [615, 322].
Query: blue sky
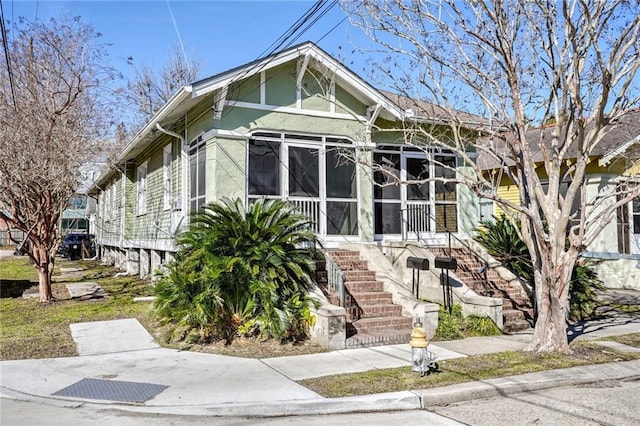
[223, 34]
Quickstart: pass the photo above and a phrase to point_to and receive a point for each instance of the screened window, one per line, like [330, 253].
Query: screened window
[304, 177]
[636, 215]
[264, 167]
[197, 167]
[386, 176]
[312, 172]
[417, 170]
[166, 177]
[141, 189]
[341, 174]
[408, 198]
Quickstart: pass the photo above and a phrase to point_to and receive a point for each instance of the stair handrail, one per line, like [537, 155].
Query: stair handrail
[483, 269]
[335, 278]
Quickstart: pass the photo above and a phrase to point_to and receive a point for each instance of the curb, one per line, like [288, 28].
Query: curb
[529, 382]
[421, 399]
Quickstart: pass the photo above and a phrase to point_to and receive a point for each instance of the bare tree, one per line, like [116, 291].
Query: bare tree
[53, 114]
[571, 64]
[149, 88]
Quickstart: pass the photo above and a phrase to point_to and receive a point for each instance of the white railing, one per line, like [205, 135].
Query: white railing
[335, 278]
[311, 209]
[418, 218]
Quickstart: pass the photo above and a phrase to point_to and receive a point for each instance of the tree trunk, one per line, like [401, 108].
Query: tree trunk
[551, 287]
[44, 265]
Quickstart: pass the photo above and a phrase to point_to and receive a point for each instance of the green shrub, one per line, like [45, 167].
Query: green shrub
[455, 326]
[241, 272]
[475, 325]
[450, 324]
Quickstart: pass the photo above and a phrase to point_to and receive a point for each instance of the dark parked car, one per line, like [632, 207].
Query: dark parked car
[77, 246]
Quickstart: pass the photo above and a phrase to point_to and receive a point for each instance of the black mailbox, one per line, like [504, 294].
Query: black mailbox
[418, 263]
[446, 263]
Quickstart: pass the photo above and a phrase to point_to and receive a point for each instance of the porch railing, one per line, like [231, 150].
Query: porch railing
[311, 209]
[335, 278]
[418, 217]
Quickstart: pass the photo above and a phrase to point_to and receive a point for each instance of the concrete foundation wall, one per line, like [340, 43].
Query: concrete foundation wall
[145, 263]
[621, 273]
[329, 330]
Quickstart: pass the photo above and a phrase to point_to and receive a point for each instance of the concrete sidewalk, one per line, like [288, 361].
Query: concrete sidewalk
[122, 351]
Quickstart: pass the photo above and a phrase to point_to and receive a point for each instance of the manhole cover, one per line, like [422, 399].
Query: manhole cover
[112, 390]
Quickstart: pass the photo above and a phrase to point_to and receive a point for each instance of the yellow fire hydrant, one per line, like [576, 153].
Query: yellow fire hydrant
[422, 359]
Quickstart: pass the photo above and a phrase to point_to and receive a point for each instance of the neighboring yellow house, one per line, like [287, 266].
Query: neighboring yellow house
[616, 158]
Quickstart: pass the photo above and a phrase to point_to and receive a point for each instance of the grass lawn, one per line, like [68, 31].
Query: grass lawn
[29, 329]
[467, 369]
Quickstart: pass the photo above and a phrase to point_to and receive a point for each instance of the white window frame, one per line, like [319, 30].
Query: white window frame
[141, 189]
[167, 176]
[321, 143]
[197, 150]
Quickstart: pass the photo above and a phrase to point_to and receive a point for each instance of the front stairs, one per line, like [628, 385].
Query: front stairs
[372, 319]
[517, 310]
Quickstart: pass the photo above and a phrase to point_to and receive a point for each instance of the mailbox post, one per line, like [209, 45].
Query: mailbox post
[417, 264]
[447, 264]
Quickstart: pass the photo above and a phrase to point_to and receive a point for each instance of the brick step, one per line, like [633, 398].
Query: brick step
[517, 302]
[515, 326]
[372, 298]
[364, 286]
[510, 315]
[380, 325]
[510, 293]
[344, 253]
[359, 275]
[352, 265]
[383, 310]
[474, 273]
[367, 340]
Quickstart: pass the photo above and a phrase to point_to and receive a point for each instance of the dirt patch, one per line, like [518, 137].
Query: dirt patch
[58, 291]
[245, 347]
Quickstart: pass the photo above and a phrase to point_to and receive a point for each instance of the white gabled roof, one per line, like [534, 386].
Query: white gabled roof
[343, 75]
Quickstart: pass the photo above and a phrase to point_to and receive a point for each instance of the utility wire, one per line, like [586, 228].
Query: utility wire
[3, 30]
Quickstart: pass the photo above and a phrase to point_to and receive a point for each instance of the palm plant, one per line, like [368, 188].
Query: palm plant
[259, 259]
[502, 241]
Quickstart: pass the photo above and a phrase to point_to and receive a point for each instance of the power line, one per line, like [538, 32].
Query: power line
[3, 30]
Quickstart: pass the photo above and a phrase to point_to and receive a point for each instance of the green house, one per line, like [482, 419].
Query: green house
[297, 125]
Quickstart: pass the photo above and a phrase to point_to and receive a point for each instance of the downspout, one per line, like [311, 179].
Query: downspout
[184, 169]
[123, 207]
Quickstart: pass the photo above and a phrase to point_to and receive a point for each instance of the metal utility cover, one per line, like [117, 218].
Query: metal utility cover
[112, 390]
